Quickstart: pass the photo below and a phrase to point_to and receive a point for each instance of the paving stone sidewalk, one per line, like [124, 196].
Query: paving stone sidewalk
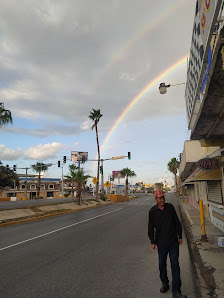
[208, 257]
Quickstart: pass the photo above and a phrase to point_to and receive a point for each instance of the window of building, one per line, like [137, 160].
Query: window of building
[50, 194]
[51, 186]
[23, 186]
[42, 186]
[32, 186]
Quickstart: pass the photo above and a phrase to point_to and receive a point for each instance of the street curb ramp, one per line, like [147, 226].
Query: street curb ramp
[206, 282]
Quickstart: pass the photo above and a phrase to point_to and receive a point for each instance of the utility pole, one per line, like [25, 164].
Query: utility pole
[62, 180]
[26, 184]
[102, 186]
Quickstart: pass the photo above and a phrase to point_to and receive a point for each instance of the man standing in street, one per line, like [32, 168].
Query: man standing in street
[165, 232]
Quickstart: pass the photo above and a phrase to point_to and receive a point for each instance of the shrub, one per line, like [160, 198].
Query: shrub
[102, 197]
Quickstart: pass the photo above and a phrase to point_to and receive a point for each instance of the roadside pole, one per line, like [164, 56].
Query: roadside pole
[14, 182]
[203, 234]
[102, 185]
[26, 184]
[62, 179]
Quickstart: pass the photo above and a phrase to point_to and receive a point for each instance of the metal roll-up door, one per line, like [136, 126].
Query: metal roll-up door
[214, 192]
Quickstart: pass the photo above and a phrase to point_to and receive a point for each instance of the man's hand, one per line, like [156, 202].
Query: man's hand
[153, 246]
[180, 241]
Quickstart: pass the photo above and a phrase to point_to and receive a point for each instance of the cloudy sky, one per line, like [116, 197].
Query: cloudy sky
[60, 59]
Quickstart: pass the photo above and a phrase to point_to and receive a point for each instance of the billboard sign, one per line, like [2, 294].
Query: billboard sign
[77, 156]
[204, 24]
[117, 174]
[209, 164]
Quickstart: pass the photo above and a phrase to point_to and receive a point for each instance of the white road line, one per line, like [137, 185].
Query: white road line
[40, 236]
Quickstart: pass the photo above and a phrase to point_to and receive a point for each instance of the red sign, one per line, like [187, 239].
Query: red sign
[209, 164]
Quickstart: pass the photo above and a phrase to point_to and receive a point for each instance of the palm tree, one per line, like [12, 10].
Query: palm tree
[95, 115]
[71, 176]
[159, 185]
[38, 168]
[173, 165]
[80, 179]
[126, 172]
[5, 115]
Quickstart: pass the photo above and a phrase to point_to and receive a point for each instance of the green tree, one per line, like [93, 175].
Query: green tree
[5, 115]
[7, 178]
[159, 185]
[80, 179]
[38, 168]
[126, 172]
[71, 176]
[173, 166]
[95, 115]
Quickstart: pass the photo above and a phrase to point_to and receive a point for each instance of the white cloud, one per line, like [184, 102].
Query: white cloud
[76, 145]
[43, 152]
[86, 125]
[9, 154]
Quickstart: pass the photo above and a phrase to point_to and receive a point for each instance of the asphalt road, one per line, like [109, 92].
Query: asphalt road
[99, 252]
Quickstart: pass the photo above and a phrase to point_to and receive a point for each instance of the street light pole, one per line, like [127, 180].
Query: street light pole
[26, 184]
[62, 179]
[102, 186]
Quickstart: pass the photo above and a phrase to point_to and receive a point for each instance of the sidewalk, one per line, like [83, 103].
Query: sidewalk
[208, 257]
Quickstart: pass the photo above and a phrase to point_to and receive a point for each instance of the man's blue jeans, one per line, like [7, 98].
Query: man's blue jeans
[173, 251]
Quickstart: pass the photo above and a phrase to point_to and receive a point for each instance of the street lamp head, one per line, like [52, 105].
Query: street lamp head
[163, 88]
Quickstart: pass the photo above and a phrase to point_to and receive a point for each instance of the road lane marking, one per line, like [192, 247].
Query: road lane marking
[66, 227]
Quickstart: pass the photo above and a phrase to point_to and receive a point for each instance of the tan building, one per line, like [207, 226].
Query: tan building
[49, 188]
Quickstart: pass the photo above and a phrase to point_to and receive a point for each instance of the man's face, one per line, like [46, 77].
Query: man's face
[160, 201]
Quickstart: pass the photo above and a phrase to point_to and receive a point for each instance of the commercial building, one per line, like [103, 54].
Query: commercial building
[205, 112]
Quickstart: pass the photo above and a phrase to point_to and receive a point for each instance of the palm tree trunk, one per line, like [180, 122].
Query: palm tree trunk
[126, 188]
[78, 194]
[72, 188]
[176, 182]
[98, 168]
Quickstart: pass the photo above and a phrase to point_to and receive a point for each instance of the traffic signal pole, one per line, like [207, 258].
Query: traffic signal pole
[102, 186]
[62, 179]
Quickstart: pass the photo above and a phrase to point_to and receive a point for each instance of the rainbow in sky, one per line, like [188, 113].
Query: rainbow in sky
[139, 34]
[140, 95]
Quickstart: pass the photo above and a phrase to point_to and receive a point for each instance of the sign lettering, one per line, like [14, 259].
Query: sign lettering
[209, 164]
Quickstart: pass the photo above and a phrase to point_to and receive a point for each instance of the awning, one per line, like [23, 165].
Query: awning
[202, 175]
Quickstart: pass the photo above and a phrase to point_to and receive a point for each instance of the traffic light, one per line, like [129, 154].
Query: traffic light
[59, 164]
[14, 168]
[101, 169]
[83, 159]
[64, 159]
[7, 168]
[129, 155]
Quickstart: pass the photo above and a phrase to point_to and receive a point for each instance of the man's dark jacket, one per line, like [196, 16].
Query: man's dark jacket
[164, 227]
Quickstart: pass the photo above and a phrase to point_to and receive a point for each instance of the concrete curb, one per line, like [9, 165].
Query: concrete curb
[14, 222]
[206, 284]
